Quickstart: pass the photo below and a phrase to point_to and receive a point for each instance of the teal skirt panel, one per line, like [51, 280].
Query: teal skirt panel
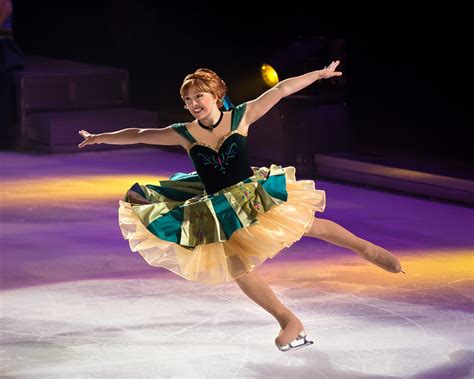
[180, 211]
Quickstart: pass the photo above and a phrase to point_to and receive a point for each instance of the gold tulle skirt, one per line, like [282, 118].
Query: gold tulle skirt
[246, 249]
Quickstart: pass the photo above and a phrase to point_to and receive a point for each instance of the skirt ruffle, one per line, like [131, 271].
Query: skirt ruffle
[258, 220]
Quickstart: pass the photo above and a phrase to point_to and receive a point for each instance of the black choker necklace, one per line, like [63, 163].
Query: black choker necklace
[211, 127]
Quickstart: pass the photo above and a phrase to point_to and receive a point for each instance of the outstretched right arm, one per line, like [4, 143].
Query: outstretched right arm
[163, 136]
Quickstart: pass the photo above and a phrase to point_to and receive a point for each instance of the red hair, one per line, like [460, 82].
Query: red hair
[206, 81]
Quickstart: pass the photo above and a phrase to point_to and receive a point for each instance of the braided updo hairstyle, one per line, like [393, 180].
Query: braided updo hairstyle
[206, 81]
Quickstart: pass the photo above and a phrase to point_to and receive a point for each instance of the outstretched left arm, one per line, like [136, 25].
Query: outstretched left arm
[262, 104]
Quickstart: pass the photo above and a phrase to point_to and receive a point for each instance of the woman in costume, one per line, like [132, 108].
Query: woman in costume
[221, 222]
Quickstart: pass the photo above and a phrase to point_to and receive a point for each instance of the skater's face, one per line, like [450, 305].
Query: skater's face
[200, 104]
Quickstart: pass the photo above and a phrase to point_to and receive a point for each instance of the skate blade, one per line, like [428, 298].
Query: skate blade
[300, 342]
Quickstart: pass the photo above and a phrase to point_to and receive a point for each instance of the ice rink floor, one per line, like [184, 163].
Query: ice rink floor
[77, 303]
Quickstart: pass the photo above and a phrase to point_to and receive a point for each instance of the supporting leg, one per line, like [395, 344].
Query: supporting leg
[334, 233]
[259, 291]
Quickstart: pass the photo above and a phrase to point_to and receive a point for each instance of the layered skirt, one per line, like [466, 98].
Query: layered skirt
[216, 238]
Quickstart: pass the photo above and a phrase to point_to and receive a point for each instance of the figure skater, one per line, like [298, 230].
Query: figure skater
[219, 223]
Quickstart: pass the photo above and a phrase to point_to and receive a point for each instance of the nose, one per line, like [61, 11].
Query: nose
[193, 102]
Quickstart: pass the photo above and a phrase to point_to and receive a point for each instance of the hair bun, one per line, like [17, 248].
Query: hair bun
[206, 70]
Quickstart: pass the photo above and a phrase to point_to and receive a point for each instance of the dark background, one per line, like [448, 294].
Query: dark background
[408, 71]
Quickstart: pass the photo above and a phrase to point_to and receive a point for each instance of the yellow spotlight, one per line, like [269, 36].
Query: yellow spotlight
[269, 75]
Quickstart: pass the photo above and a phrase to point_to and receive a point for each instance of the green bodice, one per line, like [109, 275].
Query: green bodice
[225, 165]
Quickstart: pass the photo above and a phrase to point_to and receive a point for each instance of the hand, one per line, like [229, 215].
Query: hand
[89, 139]
[328, 72]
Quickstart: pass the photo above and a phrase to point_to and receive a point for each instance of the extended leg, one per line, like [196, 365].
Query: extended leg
[336, 234]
